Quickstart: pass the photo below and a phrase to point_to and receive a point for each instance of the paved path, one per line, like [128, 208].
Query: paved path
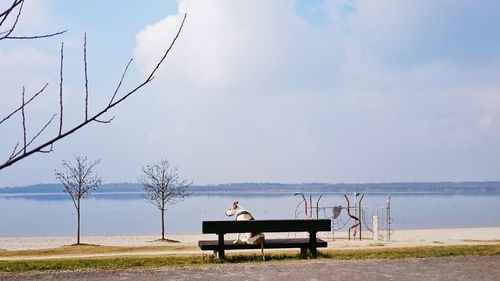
[447, 268]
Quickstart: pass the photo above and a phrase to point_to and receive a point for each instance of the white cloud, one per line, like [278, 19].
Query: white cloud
[241, 43]
[269, 95]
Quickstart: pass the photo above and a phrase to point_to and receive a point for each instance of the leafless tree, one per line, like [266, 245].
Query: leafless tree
[78, 180]
[163, 187]
[27, 146]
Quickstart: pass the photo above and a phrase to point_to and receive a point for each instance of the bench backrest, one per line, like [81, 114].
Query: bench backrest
[265, 226]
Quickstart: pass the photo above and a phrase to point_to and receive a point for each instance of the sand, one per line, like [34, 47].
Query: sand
[399, 238]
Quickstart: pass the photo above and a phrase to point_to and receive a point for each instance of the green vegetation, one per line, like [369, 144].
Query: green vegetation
[184, 260]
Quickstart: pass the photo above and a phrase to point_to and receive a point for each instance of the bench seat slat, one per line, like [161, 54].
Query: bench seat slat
[268, 244]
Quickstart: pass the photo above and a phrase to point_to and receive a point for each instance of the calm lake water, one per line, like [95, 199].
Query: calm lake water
[130, 214]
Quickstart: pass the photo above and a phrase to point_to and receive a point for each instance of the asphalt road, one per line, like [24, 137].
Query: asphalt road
[447, 268]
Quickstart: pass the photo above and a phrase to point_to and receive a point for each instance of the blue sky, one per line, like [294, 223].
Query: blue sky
[269, 91]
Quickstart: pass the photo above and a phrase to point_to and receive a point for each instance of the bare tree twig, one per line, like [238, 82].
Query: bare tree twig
[24, 121]
[61, 90]
[105, 121]
[121, 80]
[49, 150]
[43, 129]
[27, 102]
[86, 77]
[35, 36]
[13, 151]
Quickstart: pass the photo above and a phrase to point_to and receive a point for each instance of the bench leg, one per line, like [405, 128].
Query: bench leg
[312, 244]
[303, 252]
[221, 247]
[314, 252]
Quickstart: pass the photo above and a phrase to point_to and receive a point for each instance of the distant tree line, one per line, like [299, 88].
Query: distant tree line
[490, 186]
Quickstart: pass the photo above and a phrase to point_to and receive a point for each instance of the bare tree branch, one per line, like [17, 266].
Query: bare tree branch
[168, 50]
[150, 77]
[96, 116]
[5, 14]
[23, 149]
[15, 21]
[6, 34]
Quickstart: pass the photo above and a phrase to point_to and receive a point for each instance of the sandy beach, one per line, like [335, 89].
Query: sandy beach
[442, 268]
[399, 238]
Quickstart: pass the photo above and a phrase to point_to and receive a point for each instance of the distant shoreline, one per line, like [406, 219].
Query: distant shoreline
[415, 187]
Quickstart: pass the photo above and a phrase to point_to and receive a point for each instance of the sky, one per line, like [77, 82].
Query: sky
[283, 91]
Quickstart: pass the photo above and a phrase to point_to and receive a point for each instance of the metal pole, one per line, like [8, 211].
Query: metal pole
[375, 227]
[317, 206]
[359, 216]
[310, 206]
[356, 210]
[305, 202]
[389, 218]
[333, 224]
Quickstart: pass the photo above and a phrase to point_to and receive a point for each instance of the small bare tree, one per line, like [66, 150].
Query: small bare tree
[78, 181]
[163, 187]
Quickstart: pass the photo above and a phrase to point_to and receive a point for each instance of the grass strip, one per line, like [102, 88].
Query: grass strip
[381, 253]
[413, 252]
[86, 249]
[131, 262]
[96, 263]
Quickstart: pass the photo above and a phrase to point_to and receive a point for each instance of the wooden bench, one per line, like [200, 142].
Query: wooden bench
[223, 227]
